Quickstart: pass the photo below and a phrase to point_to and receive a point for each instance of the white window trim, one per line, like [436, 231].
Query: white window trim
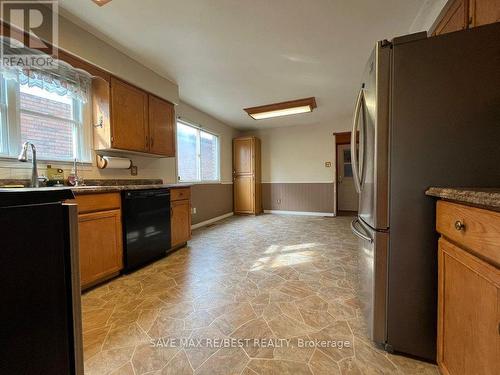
[218, 162]
[11, 129]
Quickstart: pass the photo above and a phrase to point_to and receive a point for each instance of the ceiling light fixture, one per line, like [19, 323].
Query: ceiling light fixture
[101, 2]
[291, 107]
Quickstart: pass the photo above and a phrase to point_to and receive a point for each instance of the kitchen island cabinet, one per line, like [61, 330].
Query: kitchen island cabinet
[468, 286]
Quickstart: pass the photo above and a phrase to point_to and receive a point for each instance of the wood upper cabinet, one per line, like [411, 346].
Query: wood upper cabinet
[243, 156]
[455, 19]
[483, 12]
[161, 127]
[247, 176]
[180, 215]
[129, 117]
[463, 14]
[468, 290]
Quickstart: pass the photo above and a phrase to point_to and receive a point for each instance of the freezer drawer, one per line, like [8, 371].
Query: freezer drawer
[372, 278]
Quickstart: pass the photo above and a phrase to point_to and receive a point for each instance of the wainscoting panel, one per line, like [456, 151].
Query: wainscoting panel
[211, 200]
[306, 197]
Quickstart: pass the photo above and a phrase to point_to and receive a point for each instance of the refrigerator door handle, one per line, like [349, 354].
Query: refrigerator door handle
[358, 233]
[354, 156]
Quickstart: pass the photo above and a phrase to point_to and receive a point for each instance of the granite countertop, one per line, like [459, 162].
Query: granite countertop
[117, 188]
[488, 198]
[94, 186]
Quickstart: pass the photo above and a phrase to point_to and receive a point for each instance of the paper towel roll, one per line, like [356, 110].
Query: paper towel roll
[113, 162]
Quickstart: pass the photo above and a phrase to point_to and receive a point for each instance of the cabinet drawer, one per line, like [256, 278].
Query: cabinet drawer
[178, 194]
[98, 202]
[473, 228]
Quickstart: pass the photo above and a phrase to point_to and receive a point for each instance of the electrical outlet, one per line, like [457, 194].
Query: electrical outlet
[328, 164]
[134, 170]
[194, 210]
[278, 201]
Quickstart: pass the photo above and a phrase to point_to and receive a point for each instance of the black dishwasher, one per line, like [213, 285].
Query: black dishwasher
[146, 226]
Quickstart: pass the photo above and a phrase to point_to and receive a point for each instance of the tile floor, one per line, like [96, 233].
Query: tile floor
[250, 295]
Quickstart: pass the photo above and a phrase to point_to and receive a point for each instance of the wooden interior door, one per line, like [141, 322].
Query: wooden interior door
[468, 313]
[483, 12]
[455, 19]
[101, 252]
[129, 117]
[244, 194]
[180, 217]
[161, 127]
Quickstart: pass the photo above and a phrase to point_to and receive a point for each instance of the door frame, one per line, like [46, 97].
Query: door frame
[342, 138]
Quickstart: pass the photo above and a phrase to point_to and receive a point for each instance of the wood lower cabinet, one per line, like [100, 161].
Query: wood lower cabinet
[247, 176]
[180, 216]
[100, 237]
[468, 291]
[244, 192]
[464, 14]
[101, 253]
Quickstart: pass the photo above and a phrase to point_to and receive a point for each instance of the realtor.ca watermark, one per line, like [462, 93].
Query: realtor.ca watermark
[30, 39]
[221, 343]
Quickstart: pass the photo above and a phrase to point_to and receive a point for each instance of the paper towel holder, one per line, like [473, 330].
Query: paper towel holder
[103, 163]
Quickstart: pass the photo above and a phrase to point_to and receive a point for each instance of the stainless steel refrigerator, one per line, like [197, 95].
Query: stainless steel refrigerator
[428, 114]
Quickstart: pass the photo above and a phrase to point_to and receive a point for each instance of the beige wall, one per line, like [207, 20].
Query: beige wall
[298, 154]
[293, 166]
[74, 39]
[426, 17]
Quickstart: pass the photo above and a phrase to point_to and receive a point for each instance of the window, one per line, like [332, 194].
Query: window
[53, 123]
[197, 155]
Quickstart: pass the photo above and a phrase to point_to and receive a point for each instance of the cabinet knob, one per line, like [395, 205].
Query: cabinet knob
[459, 225]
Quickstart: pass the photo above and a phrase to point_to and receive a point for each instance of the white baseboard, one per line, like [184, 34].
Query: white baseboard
[210, 221]
[299, 213]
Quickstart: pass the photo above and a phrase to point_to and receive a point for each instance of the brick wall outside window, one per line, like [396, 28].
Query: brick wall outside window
[52, 138]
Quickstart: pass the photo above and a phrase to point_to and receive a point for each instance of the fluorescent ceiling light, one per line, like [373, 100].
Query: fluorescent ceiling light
[292, 107]
[101, 2]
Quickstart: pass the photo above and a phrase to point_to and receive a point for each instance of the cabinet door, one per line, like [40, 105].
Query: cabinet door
[244, 194]
[129, 117]
[455, 19]
[483, 12]
[468, 313]
[180, 222]
[101, 252]
[243, 155]
[161, 127]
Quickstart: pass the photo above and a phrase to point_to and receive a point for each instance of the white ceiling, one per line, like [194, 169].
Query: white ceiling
[227, 55]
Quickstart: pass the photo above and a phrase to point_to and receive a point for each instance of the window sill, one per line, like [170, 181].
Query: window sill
[12, 162]
[201, 182]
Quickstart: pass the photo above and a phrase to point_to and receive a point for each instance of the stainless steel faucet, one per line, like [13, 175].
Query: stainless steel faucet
[23, 156]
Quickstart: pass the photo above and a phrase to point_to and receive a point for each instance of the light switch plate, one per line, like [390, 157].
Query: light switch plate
[328, 164]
